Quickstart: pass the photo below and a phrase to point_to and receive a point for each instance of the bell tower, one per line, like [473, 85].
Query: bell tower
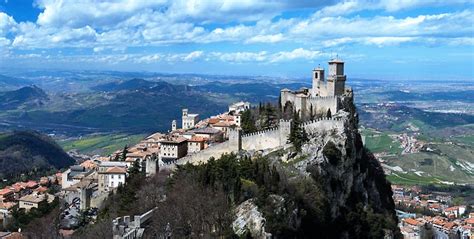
[318, 81]
[173, 125]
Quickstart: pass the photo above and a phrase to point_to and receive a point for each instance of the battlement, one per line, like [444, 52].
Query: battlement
[321, 119]
[323, 124]
[260, 132]
[323, 97]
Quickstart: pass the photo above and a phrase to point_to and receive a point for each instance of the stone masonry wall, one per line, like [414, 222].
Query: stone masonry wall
[322, 104]
[260, 140]
[323, 124]
[202, 156]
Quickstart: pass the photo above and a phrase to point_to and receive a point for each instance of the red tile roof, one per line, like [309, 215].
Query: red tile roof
[213, 120]
[41, 189]
[411, 221]
[5, 191]
[31, 184]
[449, 225]
[455, 208]
[223, 124]
[197, 139]
[116, 170]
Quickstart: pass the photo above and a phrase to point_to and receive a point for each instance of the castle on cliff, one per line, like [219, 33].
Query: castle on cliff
[325, 94]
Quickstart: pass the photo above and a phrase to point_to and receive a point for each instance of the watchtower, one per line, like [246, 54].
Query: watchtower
[235, 139]
[284, 128]
[318, 81]
[151, 164]
[336, 78]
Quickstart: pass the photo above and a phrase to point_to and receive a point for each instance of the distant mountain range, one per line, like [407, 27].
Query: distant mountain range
[8, 81]
[134, 106]
[30, 152]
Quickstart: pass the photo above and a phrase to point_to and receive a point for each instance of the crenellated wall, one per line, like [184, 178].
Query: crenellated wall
[323, 124]
[260, 140]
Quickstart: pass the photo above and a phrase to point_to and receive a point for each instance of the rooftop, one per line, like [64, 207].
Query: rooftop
[112, 164]
[173, 140]
[35, 198]
[197, 139]
[116, 170]
[207, 130]
[223, 124]
[411, 221]
[7, 205]
[88, 164]
[156, 136]
[336, 60]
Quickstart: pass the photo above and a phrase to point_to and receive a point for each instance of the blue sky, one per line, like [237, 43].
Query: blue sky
[392, 39]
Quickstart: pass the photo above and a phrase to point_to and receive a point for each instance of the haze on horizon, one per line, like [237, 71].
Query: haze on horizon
[398, 39]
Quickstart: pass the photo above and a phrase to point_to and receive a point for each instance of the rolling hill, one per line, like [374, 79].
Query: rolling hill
[30, 153]
[25, 95]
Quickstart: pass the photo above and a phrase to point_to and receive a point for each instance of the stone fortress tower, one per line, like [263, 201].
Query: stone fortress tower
[325, 94]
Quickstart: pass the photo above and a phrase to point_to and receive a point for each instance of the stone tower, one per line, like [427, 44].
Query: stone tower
[284, 128]
[151, 163]
[318, 81]
[336, 82]
[173, 125]
[235, 139]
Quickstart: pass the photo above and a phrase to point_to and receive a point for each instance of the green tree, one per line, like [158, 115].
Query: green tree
[298, 135]
[123, 156]
[458, 201]
[248, 122]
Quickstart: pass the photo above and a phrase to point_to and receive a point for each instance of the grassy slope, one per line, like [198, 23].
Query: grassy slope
[445, 160]
[443, 167]
[381, 142]
[101, 144]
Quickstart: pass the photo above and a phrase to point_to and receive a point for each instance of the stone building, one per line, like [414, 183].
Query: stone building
[74, 175]
[239, 107]
[189, 120]
[32, 200]
[210, 134]
[108, 168]
[196, 144]
[326, 95]
[173, 148]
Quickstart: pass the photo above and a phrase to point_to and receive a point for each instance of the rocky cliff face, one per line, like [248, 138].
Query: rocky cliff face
[346, 195]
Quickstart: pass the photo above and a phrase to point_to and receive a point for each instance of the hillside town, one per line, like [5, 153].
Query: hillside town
[85, 186]
[438, 214]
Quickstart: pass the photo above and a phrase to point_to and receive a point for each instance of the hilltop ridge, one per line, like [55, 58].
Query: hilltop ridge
[28, 152]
